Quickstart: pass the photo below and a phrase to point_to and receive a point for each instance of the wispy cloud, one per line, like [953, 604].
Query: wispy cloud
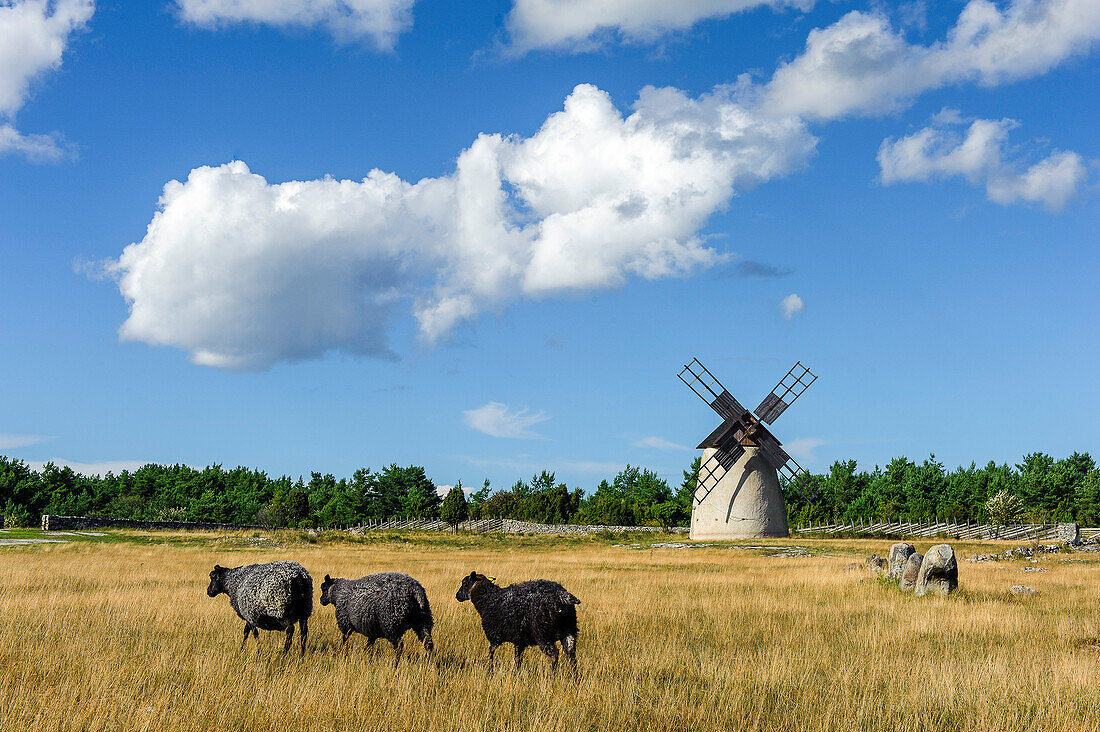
[791, 306]
[660, 443]
[753, 268]
[497, 420]
[378, 21]
[803, 448]
[394, 388]
[11, 441]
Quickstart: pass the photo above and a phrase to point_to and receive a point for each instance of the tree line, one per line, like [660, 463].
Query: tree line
[1048, 489]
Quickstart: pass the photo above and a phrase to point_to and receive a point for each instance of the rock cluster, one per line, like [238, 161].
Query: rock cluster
[935, 573]
[1073, 543]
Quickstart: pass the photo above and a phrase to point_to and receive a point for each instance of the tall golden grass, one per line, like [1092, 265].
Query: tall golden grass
[108, 636]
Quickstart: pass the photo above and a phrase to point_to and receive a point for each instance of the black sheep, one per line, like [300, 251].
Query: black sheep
[271, 596]
[382, 605]
[536, 613]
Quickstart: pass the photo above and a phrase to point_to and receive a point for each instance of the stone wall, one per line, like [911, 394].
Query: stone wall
[68, 523]
[507, 526]
[511, 526]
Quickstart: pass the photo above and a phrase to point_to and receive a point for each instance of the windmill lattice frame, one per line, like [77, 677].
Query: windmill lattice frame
[741, 428]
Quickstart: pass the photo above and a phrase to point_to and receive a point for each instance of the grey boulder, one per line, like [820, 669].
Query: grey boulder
[939, 572]
[899, 555]
[911, 572]
[878, 564]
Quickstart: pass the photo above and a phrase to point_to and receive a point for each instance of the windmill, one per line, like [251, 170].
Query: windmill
[737, 492]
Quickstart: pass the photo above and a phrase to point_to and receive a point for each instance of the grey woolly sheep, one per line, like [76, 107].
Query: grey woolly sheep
[536, 613]
[383, 605]
[271, 596]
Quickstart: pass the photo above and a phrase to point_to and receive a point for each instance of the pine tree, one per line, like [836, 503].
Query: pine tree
[455, 509]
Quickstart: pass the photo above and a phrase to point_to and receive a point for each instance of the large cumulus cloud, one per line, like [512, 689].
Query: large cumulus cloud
[242, 273]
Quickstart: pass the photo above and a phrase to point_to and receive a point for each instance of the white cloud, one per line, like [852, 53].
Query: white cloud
[443, 490]
[660, 443]
[803, 448]
[33, 37]
[791, 306]
[382, 21]
[860, 64]
[584, 25]
[37, 148]
[497, 420]
[11, 441]
[101, 468]
[242, 273]
[980, 157]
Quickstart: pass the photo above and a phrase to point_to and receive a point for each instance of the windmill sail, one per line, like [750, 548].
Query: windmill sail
[789, 388]
[713, 468]
[783, 463]
[711, 391]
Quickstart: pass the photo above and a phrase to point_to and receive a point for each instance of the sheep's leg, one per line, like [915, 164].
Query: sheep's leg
[551, 650]
[346, 634]
[425, 636]
[519, 655]
[289, 637]
[398, 645]
[247, 629]
[569, 645]
[492, 650]
[303, 629]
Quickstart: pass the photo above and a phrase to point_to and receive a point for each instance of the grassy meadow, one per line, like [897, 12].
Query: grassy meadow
[117, 633]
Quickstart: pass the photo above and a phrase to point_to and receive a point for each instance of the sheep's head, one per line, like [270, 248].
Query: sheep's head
[326, 598]
[217, 581]
[468, 582]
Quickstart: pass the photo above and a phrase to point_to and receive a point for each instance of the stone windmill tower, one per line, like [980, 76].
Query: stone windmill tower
[737, 491]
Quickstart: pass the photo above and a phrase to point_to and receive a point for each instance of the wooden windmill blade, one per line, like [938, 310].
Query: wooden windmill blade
[789, 388]
[707, 387]
[783, 463]
[714, 468]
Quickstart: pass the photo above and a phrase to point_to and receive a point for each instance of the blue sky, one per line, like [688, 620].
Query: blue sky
[518, 285]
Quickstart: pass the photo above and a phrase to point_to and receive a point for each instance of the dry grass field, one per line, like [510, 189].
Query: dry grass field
[117, 633]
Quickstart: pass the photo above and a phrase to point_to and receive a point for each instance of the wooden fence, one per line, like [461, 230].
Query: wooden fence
[953, 529]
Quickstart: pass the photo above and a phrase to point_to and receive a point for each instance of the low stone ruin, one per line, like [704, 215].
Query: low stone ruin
[1069, 536]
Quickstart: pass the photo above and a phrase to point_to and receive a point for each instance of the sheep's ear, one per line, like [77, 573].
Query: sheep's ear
[473, 575]
[328, 579]
[219, 568]
[492, 579]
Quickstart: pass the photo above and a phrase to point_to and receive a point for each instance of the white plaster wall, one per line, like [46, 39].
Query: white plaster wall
[747, 502]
